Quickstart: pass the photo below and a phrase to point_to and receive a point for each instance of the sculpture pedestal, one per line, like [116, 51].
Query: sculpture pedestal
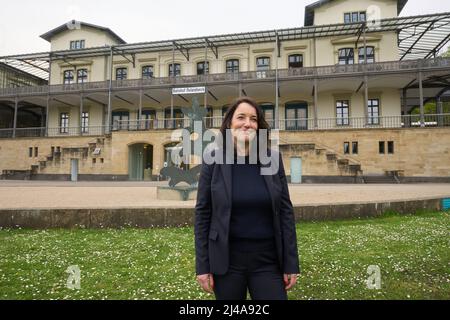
[183, 193]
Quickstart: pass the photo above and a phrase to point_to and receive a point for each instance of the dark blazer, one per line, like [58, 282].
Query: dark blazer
[213, 212]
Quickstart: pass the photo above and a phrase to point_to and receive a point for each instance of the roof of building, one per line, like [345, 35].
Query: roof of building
[309, 9]
[73, 24]
[419, 37]
[26, 73]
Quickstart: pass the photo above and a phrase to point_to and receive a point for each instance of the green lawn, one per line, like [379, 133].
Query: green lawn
[413, 253]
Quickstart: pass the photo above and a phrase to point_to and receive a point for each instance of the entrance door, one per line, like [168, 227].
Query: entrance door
[148, 162]
[74, 170]
[297, 116]
[296, 170]
[140, 162]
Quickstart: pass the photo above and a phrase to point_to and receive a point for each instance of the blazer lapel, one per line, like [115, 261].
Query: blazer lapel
[269, 183]
[227, 178]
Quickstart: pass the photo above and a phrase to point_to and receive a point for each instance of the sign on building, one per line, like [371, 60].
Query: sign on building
[96, 151]
[191, 90]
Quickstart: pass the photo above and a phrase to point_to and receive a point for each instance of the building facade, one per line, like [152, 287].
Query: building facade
[340, 90]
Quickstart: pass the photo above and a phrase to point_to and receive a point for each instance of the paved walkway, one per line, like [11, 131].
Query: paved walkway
[52, 194]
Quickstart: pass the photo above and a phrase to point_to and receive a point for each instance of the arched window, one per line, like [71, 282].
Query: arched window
[202, 67]
[262, 63]
[121, 73]
[147, 72]
[232, 66]
[177, 70]
[295, 61]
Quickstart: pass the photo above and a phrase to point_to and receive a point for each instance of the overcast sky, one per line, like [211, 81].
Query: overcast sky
[23, 21]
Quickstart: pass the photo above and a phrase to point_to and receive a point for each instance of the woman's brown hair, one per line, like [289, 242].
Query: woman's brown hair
[262, 123]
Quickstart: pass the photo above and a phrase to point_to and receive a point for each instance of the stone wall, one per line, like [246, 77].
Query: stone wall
[417, 153]
[175, 217]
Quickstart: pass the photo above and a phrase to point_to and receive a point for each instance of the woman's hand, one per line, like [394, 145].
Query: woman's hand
[206, 282]
[290, 280]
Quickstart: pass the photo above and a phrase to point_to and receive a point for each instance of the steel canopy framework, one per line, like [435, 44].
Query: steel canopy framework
[33, 66]
[419, 37]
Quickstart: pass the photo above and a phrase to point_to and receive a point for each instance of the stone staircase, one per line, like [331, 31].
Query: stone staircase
[320, 160]
[16, 174]
[46, 163]
[390, 177]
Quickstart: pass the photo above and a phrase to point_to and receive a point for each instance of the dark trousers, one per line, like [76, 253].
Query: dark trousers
[253, 267]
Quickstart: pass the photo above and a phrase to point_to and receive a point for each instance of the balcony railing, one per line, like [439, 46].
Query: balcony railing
[307, 124]
[52, 132]
[154, 124]
[293, 73]
[371, 122]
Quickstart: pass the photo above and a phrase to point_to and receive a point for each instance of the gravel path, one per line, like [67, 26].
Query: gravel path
[51, 194]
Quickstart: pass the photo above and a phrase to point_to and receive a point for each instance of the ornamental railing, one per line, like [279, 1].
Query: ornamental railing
[297, 124]
[283, 74]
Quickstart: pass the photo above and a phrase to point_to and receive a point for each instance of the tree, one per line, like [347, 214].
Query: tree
[430, 107]
[446, 54]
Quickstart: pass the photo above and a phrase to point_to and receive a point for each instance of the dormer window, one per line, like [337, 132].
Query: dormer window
[351, 17]
[77, 44]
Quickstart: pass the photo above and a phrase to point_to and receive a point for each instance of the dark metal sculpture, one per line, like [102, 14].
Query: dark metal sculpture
[177, 175]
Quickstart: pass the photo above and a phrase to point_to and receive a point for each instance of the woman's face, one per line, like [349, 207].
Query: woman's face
[244, 122]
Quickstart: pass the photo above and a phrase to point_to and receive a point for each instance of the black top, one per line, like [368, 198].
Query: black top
[251, 213]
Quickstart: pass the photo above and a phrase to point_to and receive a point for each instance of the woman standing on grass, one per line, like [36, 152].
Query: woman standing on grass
[245, 236]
